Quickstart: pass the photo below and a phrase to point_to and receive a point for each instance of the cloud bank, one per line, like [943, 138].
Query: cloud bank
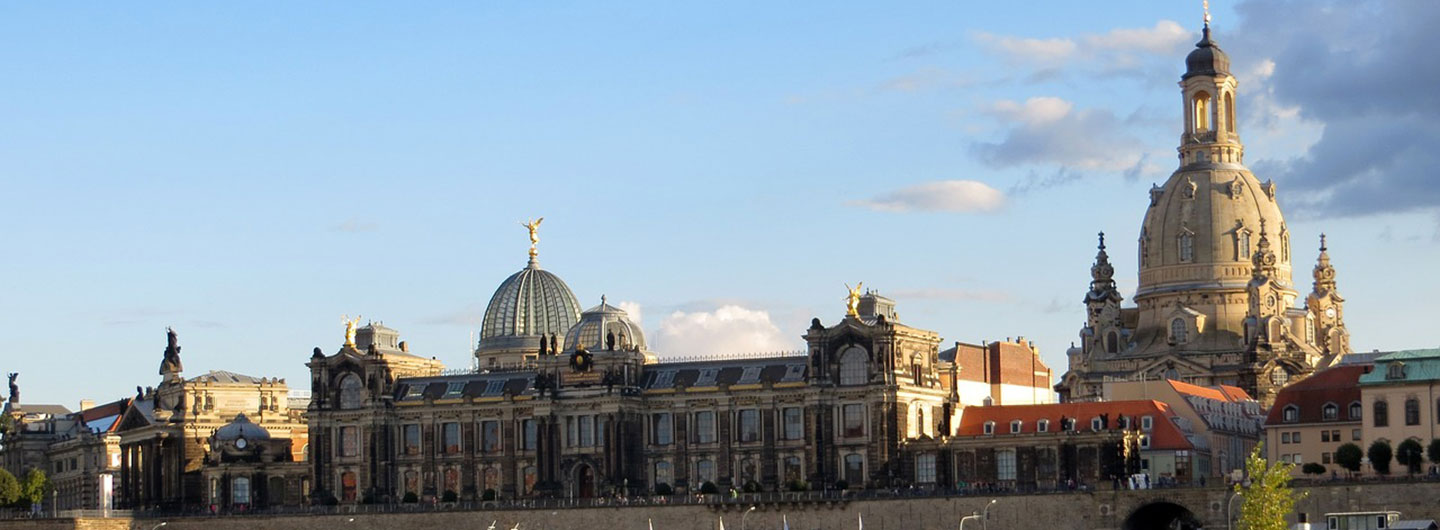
[728, 329]
[963, 196]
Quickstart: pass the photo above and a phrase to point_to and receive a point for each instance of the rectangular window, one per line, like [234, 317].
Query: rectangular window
[1325, 458]
[410, 442]
[1005, 464]
[705, 427]
[925, 469]
[1295, 437]
[450, 435]
[600, 431]
[587, 431]
[1335, 435]
[661, 432]
[1324, 436]
[490, 435]
[1355, 435]
[853, 417]
[570, 439]
[794, 421]
[1147, 423]
[749, 425]
[1284, 437]
[350, 441]
[527, 426]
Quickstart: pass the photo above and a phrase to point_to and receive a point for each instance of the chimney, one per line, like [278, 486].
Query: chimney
[87, 404]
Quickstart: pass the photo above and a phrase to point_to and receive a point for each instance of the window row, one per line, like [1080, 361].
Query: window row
[1147, 423]
[747, 425]
[1381, 412]
[745, 470]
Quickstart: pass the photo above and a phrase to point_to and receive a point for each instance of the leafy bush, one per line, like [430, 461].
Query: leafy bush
[664, 489]
[1411, 455]
[798, 485]
[449, 496]
[1380, 454]
[410, 497]
[1313, 468]
[489, 495]
[34, 488]
[752, 487]
[709, 488]
[9, 489]
[1349, 457]
[1434, 451]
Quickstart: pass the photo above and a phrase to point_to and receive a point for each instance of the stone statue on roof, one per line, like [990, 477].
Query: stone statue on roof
[171, 364]
[14, 389]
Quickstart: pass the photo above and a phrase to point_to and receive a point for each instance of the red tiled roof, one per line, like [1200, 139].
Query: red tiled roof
[1164, 434]
[1336, 385]
[1208, 392]
[114, 408]
[1236, 393]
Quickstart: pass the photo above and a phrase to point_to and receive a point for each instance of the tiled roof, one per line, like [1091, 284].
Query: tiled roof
[104, 418]
[1334, 385]
[53, 410]
[1224, 393]
[222, 376]
[467, 385]
[1163, 435]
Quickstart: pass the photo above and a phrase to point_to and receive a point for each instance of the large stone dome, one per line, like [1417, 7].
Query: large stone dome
[530, 304]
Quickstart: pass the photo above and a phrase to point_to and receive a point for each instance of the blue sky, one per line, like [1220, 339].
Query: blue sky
[248, 173]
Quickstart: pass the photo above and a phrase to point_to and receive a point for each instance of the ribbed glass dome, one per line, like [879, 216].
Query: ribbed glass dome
[527, 305]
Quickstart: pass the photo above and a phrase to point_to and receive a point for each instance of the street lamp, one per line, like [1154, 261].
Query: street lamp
[742, 518]
[1228, 505]
[985, 521]
[972, 515]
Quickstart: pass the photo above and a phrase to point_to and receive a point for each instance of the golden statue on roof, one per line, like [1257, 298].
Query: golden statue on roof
[852, 301]
[350, 329]
[534, 227]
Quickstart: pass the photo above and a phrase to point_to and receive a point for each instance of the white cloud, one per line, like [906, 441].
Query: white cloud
[1165, 38]
[1038, 51]
[729, 329]
[1049, 130]
[967, 196]
[633, 310]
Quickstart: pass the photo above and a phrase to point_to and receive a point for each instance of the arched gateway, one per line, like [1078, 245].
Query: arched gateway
[1162, 516]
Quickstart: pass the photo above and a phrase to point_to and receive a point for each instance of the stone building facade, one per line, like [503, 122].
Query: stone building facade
[591, 411]
[1215, 303]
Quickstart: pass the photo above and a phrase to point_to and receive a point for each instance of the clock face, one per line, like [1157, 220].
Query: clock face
[1270, 300]
[241, 443]
[1330, 312]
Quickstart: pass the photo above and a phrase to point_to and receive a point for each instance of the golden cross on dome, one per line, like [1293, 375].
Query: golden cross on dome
[1206, 5]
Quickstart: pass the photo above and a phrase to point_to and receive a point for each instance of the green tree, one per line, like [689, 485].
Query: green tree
[35, 486]
[1312, 468]
[1268, 499]
[1349, 457]
[1434, 451]
[1380, 454]
[1411, 455]
[9, 489]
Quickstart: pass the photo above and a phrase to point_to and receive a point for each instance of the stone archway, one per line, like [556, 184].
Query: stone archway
[584, 481]
[1162, 516]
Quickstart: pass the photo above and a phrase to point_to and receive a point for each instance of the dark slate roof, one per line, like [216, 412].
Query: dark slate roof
[53, 410]
[477, 385]
[222, 376]
[725, 372]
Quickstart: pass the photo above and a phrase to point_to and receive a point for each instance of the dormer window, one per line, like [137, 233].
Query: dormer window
[1147, 423]
[1396, 370]
[1042, 426]
[1330, 412]
[1356, 410]
[1177, 331]
[1291, 414]
[1015, 426]
[1144, 441]
[1095, 424]
[989, 427]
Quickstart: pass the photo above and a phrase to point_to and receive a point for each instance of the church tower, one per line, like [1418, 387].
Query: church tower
[1327, 308]
[1214, 304]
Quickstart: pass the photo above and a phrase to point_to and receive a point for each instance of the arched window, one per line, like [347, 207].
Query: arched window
[1279, 377]
[854, 366]
[1242, 245]
[1112, 342]
[240, 491]
[528, 479]
[854, 469]
[705, 470]
[1382, 414]
[412, 482]
[1177, 331]
[352, 392]
[662, 473]
[791, 468]
[1356, 410]
[1412, 411]
[1201, 104]
[1187, 248]
[1230, 112]
[348, 486]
